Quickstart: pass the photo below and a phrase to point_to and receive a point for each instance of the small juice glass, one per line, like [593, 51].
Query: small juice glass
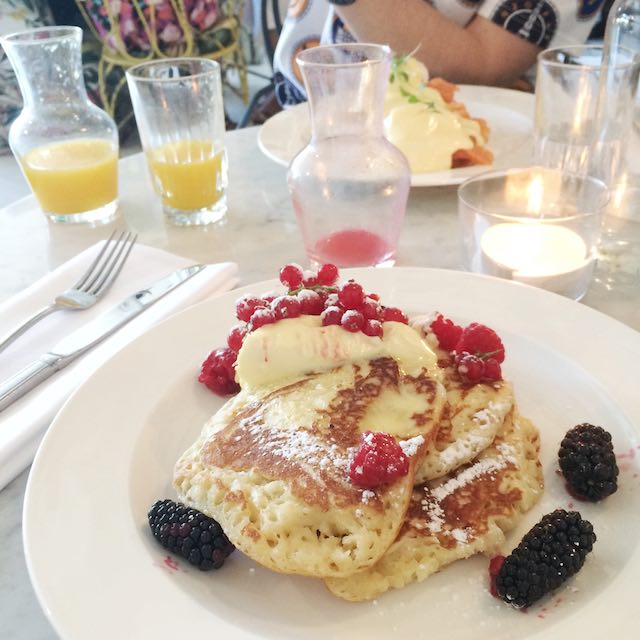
[180, 116]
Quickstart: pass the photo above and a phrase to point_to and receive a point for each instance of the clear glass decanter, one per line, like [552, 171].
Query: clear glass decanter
[349, 185]
[67, 147]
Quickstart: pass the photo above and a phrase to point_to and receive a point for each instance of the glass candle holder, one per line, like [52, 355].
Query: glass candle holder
[536, 225]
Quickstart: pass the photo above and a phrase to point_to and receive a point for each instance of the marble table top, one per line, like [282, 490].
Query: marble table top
[259, 234]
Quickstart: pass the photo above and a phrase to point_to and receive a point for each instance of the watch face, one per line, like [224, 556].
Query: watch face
[534, 20]
[586, 8]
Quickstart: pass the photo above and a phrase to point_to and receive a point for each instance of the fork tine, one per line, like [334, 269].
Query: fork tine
[112, 273]
[87, 274]
[106, 263]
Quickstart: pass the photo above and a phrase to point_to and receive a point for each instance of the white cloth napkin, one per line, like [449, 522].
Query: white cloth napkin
[23, 424]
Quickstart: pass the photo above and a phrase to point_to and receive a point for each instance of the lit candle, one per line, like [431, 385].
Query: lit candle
[537, 250]
[534, 250]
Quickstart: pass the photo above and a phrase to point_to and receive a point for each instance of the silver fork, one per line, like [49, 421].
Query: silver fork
[94, 283]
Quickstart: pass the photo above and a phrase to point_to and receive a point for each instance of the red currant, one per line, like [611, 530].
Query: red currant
[351, 295]
[393, 314]
[331, 315]
[246, 305]
[331, 301]
[262, 317]
[236, 337]
[379, 459]
[218, 373]
[374, 296]
[291, 276]
[310, 281]
[352, 321]
[311, 303]
[286, 307]
[327, 274]
[371, 309]
[372, 328]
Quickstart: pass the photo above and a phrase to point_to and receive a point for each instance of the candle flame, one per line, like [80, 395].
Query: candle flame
[535, 191]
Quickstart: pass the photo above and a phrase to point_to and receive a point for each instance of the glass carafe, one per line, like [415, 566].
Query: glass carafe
[67, 147]
[349, 185]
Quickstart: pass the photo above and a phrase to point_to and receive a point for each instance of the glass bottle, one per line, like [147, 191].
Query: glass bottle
[349, 185]
[67, 147]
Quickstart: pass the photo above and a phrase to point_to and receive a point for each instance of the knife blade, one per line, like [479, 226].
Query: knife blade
[94, 332]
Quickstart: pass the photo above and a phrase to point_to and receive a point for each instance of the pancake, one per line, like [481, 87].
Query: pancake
[272, 467]
[458, 516]
[470, 421]
[471, 418]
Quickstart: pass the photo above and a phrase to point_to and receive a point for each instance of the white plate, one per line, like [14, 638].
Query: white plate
[109, 455]
[508, 113]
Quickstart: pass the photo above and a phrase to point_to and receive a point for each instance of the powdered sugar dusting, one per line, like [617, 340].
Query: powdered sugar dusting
[367, 495]
[410, 447]
[303, 446]
[434, 517]
[482, 467]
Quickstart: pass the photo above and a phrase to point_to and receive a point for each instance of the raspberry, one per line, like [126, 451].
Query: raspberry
[218, 373]
[331, 315]
[311, 302]
[447, 332]
[327, 274]
[588, 463]
[481, 341]
[261, 317]
[351, 295]
[549, 554]
[492, 370]
[379, 459]
[352, 321]
[291, 276]
[372, 328]
[236, 337]
[189, 533]
[393, 314]
[371, 309]
[471, 369]
[246, 305]
[286, 307]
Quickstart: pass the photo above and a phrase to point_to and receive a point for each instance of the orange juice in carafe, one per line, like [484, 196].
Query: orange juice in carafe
[187, 174]
[74, 176]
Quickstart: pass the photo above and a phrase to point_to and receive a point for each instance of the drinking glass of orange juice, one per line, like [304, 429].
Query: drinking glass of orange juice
[180, 117]
[67, 147]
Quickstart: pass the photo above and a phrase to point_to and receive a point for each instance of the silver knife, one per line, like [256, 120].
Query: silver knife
[83, 339]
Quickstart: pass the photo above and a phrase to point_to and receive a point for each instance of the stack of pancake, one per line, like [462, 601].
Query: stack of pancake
[272, 466]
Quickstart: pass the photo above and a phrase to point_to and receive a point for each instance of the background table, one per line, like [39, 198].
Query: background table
[260, 234]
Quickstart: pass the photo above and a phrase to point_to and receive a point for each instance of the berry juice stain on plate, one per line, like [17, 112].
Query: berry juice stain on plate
[353, 248]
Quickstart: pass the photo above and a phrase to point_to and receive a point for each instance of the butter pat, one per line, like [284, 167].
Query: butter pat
[291, 349]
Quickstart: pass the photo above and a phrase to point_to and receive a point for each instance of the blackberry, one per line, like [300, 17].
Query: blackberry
[189, 533]
[550, 553]
[588, 463]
